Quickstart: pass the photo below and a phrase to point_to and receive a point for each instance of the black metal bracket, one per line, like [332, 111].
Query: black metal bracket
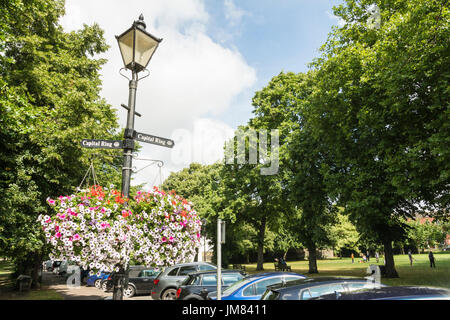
[129, 133]
[128, 144]
[128, 108]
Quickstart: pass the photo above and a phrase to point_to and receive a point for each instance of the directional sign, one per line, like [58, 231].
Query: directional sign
[104, 144]
[155, 140]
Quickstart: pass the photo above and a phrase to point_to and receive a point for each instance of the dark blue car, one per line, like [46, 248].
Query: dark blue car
[253, 286]
[95, 280]
[392, 293]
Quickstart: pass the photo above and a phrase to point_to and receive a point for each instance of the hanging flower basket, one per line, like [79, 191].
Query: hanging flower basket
[95, 229]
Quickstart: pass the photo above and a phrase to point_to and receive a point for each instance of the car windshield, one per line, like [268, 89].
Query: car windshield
[236, 286]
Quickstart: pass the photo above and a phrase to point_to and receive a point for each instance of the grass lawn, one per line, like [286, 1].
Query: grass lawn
[7, 291]
[419, 273]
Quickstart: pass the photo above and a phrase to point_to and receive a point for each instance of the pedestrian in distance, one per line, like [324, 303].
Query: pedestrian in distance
[377, 256]
[368, 255]
[353, 258]
[431, 257]
[410, 257]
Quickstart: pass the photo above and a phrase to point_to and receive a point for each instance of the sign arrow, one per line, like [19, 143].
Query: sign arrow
[103, 144]
[163, 142]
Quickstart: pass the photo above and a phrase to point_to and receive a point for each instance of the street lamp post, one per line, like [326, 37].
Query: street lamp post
[137, 47]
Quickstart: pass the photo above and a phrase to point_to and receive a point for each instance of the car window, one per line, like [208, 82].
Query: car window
[261, 286]
[173, 272]
[134, 273]
[209, 280]
[356, 285]
[321, 290]
[186, 270]
[291, 278]
[148, 273]
[249, 291]
[192, 281]
[206, 267]
[270, 295]
[230, 278]
[235, 286]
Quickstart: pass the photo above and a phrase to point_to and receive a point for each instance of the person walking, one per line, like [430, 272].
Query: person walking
[431, 257]
[368, 255]
[377, 256]
[410, 257]
[353, 258]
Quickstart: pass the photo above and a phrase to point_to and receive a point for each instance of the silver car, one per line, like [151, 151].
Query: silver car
[166, 283]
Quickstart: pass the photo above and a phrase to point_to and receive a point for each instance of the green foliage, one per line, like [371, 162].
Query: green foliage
[49, 101]
[381, 107]
[425, 234]
[344, 236]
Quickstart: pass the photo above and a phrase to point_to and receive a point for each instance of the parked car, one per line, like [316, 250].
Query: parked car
[166, 283]
[306, 289]
[253, 286]
[48, 265]
[140, 281]
[199, 284]
[95, 280]
[55, 266]
[392, 293]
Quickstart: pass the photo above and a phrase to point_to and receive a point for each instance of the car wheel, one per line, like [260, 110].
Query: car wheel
[129, 292]
[105, 286]
[98, 283]
[169, 294]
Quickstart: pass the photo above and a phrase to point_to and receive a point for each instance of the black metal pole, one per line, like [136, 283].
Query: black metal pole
[129, 136]
[121, 278]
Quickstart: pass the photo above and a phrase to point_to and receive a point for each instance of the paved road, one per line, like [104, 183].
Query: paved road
[72, 292]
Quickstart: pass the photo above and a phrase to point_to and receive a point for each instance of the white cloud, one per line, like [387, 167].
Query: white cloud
[232, 13]
[193, 80]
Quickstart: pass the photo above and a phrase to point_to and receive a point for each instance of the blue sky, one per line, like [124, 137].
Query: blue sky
[273, 36]
[214, 56]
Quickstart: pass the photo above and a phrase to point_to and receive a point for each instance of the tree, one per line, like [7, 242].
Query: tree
[49, 101]
[282, 104]
[424, 233]
[344, 236]
[380, 104]
[249, 196]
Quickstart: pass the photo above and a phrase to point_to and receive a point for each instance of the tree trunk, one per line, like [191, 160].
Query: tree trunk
[37, 265]
[261, 235]
[312, 258]
[389, 259]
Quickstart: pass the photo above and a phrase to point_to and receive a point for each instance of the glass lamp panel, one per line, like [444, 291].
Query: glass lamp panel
[126, 47]
[145, 47]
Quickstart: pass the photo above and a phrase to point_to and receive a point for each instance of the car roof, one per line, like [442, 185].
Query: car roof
[215, 272]
[390, 292]
[190, 264]
[259, 276]
[308, 282]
